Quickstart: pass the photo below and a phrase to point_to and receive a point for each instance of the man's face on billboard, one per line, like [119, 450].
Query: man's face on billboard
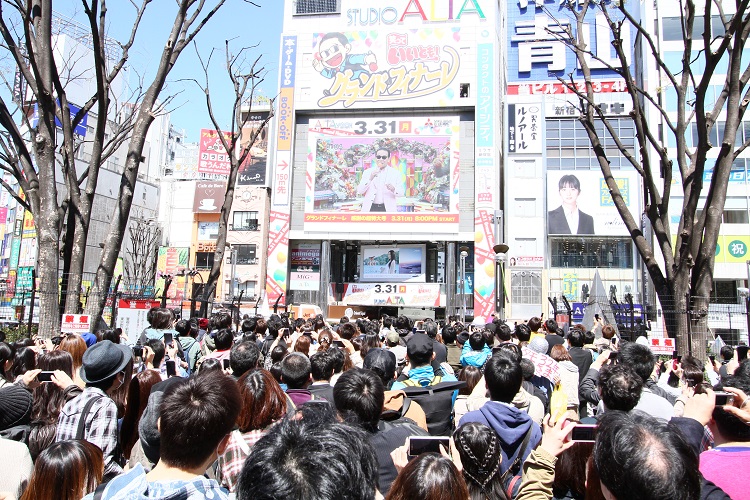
[381, 157]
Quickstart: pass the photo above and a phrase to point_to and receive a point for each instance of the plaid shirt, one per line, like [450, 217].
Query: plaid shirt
[100, 428]
[544, 366]
[238, 448]
[133, 486]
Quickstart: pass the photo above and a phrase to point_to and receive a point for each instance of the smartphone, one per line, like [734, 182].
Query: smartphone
[338, 343]
[427, 444]
[225, 364]
[724, 398]
[596, 316]
[171, 369]
[138, 351]
[712, 358]
[45, 376]
[584, 433]
[168, 339]
[421, 331]
[612, 356]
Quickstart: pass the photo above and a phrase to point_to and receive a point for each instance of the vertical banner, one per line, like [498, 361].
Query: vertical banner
[485, 181]
[278, 228]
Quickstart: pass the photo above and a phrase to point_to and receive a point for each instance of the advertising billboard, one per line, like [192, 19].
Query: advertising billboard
[253, 170]
[305, 271]
[579, 203]
[170, 261]
[537, 57]
[209, 197]
[393, 294]
[212, 156]
[391, 67]
[392, 175]
[396, 263]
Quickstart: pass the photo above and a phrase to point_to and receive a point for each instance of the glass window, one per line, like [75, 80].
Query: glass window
[245, 221]
[735, 216]
[575, 148]
[204, 260]
[526, 287]
[248, 287]
[591, 252]
[246, 254]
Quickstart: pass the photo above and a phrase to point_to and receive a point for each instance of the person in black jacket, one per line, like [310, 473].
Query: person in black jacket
[560, 220]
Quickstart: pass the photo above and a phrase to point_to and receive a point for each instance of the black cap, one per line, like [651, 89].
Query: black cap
[419, 346]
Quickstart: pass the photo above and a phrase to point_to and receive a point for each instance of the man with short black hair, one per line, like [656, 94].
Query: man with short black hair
[553, 335]
[518, 434]
[195, 419]
[244, 357]
[359, 396]
[726, 353]
[295, 373]
[638, 456]
[620, 387]
[223, 341]
[321, 369]
[453, 350]
[441, 352]
[301, 459]
[581, 357]
[93, 414]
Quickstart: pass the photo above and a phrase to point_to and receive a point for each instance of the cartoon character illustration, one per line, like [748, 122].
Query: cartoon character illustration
[334, 57]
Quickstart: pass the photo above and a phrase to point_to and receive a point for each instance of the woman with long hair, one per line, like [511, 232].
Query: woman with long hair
[481, 456]
[49, 398]
[429, 477]
[76, 346]
[137, 398]
[23, 361]
[7, 353]
[66, 470]
[263, 403]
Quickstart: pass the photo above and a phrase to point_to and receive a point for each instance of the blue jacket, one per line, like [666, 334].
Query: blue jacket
[424, 375]
[511, 425]
[470, 357]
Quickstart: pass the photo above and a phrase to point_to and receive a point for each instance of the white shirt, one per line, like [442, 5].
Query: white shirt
[572, 218]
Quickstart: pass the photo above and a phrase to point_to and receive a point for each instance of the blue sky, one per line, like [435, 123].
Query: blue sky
[243, 24]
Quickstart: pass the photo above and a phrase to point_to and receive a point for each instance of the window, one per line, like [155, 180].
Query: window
[568, 145]
[246, 254]
[735, 217]
[248, 287]
[672, 28]
[526, 287]
[317, 7]
[204, 260]
[245, 221]
[591, 252]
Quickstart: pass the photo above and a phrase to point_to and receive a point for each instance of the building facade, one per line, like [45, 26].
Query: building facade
[387, 157]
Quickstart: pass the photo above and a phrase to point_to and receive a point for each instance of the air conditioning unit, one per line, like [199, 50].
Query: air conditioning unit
[231, 227]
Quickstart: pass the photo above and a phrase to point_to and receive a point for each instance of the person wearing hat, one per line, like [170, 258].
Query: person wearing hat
[93, 415]
[393, 342]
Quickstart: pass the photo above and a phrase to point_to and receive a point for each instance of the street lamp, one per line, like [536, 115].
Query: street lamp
[500, 250]
[464, 253]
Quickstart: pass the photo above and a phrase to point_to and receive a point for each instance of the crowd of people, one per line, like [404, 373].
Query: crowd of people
[394, 409]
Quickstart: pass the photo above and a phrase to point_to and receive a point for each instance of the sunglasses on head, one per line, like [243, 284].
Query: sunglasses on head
[379, 157]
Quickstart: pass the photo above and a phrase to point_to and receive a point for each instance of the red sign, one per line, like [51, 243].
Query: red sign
[599, 87]
[212, 156]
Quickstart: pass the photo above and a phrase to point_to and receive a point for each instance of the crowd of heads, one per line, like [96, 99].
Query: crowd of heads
[298, 408]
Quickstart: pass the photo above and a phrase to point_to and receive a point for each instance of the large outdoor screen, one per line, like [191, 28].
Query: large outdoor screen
[393, 263]
[383, 174]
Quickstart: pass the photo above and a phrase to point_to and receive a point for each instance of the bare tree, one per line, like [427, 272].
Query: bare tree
[246, 77]
[680, 265]
[32, 152]
[141, 253]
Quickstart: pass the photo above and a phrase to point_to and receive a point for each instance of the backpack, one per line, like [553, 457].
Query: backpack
[511, 478]
[436, 399]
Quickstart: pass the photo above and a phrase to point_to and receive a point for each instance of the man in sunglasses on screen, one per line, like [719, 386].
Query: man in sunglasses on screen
[381, 185]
